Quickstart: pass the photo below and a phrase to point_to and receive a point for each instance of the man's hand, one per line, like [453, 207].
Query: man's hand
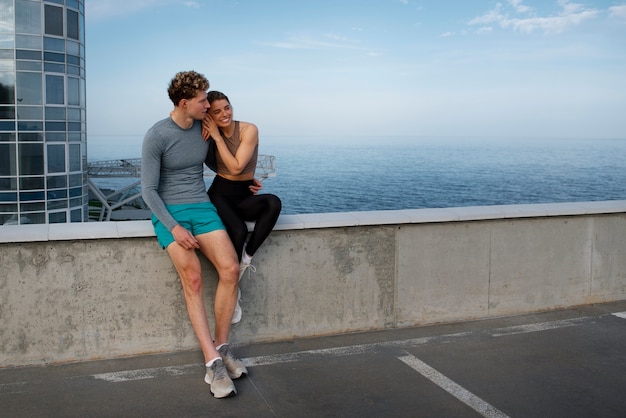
[256, 186]
[184, 238]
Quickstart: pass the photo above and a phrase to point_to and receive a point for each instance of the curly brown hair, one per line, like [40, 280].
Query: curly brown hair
[185, 85]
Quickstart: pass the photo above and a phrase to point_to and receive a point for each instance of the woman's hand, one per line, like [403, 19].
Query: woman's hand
[256, 186]
[209, 128]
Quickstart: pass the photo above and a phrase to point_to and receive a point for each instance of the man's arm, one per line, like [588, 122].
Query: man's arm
[150, 177]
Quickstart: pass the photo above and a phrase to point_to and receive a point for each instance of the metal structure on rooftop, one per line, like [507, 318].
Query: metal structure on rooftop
[126, 203]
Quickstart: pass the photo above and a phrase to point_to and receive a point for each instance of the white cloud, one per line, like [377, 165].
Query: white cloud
[571, 14]
[519, 7]
[618, 11]
[492, 16]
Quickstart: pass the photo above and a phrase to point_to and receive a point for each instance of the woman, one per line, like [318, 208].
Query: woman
[234, 189]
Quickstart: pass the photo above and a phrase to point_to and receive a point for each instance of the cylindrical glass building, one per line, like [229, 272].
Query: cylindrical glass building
[43, 131]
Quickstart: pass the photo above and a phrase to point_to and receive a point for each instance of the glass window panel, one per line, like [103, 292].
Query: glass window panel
[28, 88]
[26, 54]
[57, 182]
[55, 126]
[57, 218]
[55, 113]
[72, 70]
[7, 136]
[72, 24]
[73, 114]
[7, 41]
[82, 92]
[73, 137]
[8, 197]
[8, 183]
[6, 54]
[72, 59]
[57, 194]
[33, 218]
[7, 112]
[30, 136]
[72, 3]
[8, 219]
[7, 17]
[27, 17]
[54, 67]
[54, 57]
[7, 160]
[31, 196]
[7, 65]
[55, 136]
[73, 91]
[72, 48]
[57, 204]
[33, 207]
[7, 126]
[30, 112]
[4, 208]
[28, 42]
[74, 157]
[56, 158]
[28, 65]
[7, 88]
[76, 180]
[54, 89]
[55, 1]
[31, 159]
[53, 44]
[29, 126]
[54, 20]
[32, 183]
[76, 215]
[74, 126]
[76, 191]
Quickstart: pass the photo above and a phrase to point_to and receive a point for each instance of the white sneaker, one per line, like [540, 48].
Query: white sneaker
[217, 376]
[238, 312]
[243, 267]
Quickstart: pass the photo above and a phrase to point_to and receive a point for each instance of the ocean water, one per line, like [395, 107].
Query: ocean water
[318, 175]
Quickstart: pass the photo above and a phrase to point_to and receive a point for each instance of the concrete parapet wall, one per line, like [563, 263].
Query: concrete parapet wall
[76, 292]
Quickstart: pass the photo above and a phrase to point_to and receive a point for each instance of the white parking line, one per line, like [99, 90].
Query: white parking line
[543, 326]
[465, 396]
[128, 375]
[620, 314]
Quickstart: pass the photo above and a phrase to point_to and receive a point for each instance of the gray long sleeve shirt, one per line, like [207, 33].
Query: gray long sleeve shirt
[172, 161]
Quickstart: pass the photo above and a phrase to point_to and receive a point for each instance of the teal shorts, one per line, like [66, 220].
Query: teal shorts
[197, 218]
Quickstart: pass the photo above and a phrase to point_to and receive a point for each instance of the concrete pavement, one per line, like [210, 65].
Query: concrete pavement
[567, 363]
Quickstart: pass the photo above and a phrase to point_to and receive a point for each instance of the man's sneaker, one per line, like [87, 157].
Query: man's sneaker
[234, 366]
[221, 384]
[237, 313]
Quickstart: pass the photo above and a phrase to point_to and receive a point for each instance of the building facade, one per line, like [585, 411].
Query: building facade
[43, 132]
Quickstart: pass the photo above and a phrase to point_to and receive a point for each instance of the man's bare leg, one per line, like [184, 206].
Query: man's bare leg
[188, 266]
[218, 248]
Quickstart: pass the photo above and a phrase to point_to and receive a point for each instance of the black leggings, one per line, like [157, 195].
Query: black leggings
[236, 204]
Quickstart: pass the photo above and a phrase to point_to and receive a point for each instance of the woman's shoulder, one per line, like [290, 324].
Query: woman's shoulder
[246, 125]
[247, 129]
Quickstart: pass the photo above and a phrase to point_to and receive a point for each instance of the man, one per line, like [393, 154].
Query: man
[185, 220]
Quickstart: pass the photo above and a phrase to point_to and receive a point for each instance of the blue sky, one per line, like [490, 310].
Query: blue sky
[510, 68]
